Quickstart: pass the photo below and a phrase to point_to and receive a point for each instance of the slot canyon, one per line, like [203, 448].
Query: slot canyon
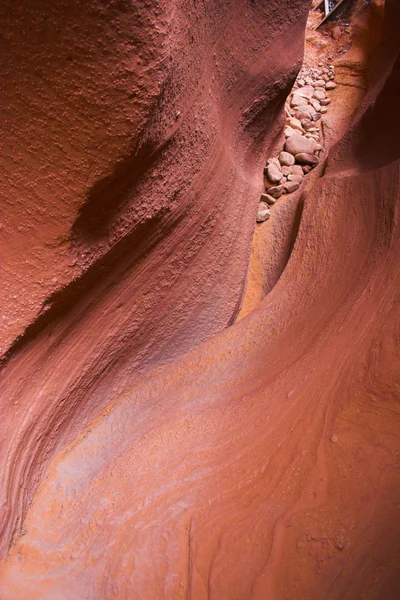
[199, 392]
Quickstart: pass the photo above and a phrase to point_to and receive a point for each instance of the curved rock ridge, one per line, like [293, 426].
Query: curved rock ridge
[135, 138]
[264, 462]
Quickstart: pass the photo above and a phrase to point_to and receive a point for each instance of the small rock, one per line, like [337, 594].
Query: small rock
[263, 212]
[325, 102]
[274, 161]
[286, 159]
[289, 131]
[319, 95]
[297, 178]
[263, 205]
[340, 545]
[295, 124]
[273, 173]
[263, 215]
[297, 170]
[316, 105]
[334, 439]
[301, 82]
[303, 110]
[336, 32]
[298, 100]
[307, 124]
[319, 83]
[291, 186]
[276, 191]
[316, 116]
[325, 77]
[324, 110]
[288, 111]
[297, 144]
[267, 199]
[303, 115]
[285, 170]
[307, 169]
[330, 85]
[306, 158]
[305, 92]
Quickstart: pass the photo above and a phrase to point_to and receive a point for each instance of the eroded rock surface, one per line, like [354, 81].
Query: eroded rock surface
[135, 138]
[264, 462]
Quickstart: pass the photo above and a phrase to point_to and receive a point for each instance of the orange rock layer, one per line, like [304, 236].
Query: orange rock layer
[263, 462]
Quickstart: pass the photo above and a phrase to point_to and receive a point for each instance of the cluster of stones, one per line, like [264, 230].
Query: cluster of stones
[304, 108]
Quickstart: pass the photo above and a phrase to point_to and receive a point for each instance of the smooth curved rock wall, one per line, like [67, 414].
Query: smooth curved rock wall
[134, 133]
[264, 463]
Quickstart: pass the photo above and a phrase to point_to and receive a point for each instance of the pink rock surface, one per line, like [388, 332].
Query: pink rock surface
[134, 140]
[263, 463]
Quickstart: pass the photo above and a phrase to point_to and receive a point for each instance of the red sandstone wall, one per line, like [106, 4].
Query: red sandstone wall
[263, 464]
[134, 138]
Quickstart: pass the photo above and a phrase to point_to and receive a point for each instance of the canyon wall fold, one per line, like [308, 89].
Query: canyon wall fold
[134, 138]
[264, 461]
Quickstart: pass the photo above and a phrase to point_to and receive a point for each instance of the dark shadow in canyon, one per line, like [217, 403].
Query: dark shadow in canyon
[86, 288]
[109, 195]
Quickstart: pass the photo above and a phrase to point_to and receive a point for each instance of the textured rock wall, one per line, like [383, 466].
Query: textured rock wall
[134, 138]
[264, 463]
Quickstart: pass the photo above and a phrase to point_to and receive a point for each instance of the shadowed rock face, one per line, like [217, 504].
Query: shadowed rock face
[264, 462]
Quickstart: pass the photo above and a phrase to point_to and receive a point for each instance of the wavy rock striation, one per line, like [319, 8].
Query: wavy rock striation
[264, 462]
[135, 137]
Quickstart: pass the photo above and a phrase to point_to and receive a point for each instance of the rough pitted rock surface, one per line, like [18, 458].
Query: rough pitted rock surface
[121, 164]
[263, 462]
